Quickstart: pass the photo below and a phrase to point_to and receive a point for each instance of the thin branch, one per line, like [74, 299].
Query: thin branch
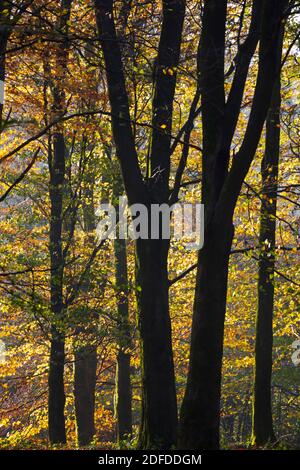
[21, 177]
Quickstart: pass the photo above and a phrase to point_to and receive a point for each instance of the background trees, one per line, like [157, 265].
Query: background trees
[181, 129]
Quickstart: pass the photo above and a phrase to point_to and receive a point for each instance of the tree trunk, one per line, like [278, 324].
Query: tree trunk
[56, 399]
[200, 407]
[57, 170]
[262, 426]
[123, 381]
[85, 369]
[85, 354]
[84, 392]
[159, 411]
[220, 190]
[123, 396]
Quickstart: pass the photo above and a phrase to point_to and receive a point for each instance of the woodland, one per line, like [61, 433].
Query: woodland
[143, 344]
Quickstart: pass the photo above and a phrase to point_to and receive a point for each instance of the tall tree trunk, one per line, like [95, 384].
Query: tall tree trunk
[56, 399]
[200, 413]
[85, 353]
[221, 187]
[262, 426]
[84, 392]
[57, 168]
[159, 403]
[159, 409]
[123, 381]
[85, 367]
[211, 281]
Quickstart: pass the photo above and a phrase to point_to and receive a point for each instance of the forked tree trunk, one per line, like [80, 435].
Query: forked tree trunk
[221, 186]
[200, 407]
[262, 422]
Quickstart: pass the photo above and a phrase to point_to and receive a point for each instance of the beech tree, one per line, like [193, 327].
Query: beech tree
[222, 179]
[159, 409]
[85, 341]
[262, 426]
[57, 168]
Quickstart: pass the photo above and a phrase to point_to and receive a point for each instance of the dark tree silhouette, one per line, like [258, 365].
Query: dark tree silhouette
[159, 409]
[221, 185]
[262, 422]
[57, 167]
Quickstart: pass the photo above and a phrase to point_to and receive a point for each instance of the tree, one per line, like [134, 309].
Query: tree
[262, 421]
[221, 185]
[57, 167]
[123, 394]
[85, 346]
[159, 409]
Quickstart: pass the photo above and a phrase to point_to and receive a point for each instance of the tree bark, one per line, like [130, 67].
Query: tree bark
[262, 423]
[159, 408]
[123, 396]
[200, 412]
